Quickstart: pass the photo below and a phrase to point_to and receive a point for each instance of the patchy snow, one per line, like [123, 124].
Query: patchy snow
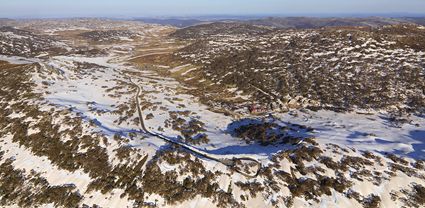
[24, 159]
[112, 199]
[85, 91]
[188, 71]
[178, 68]
[18, 59]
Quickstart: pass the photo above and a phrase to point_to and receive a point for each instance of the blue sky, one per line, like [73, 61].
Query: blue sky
[144, 8]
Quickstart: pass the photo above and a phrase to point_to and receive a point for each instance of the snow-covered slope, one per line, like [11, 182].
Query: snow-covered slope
[71, 136]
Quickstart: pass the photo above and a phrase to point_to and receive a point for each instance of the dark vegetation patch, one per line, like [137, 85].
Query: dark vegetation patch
[252, 187]
[140, 178]
[413, 196]
[372, 201]
[219, 28]
[127, 109]
[397, 159]
[32, 190]
[316, 184]
[27, 44]
[419, 164]
[199, 182]
[66, 155]
[191, 131]
[124, 176]
[89, 51]
[416, 196]
[149, 116]
[357, 166]
[108, 35]
[371, 156]
[406, 170]
[347, 162]
[311, 189]
[264, 133]
[354, 162]
[267, 132]
[123, 152]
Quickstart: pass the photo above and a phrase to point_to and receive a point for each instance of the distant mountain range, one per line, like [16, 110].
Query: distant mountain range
[294, 22]
[173, 22]
[309, 23]
[5, 21]
[276, 22]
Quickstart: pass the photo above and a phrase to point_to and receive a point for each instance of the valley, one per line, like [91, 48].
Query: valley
[117, 113]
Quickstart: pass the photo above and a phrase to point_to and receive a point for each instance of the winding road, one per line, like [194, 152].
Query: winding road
[231, 163]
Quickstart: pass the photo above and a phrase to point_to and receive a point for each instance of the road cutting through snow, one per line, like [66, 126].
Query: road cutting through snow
[231, 163]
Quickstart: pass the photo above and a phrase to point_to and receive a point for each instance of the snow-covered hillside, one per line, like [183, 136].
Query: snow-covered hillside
[123, 127]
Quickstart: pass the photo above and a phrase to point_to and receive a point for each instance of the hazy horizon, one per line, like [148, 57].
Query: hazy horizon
[191, 8]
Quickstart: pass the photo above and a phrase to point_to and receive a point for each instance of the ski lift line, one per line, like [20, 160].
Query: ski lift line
[226, 161]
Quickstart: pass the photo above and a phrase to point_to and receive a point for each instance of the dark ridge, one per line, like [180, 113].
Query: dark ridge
[221, 28]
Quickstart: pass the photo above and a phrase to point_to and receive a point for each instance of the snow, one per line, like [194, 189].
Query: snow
[188, 71]
[111, 199]
[178, 68]
[24, 159]
[164, 92]
[365, 132]
[18, 59]
[349, 129]
[85, 93]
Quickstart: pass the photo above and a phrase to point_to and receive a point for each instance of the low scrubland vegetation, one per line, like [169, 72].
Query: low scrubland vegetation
[340, 69]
